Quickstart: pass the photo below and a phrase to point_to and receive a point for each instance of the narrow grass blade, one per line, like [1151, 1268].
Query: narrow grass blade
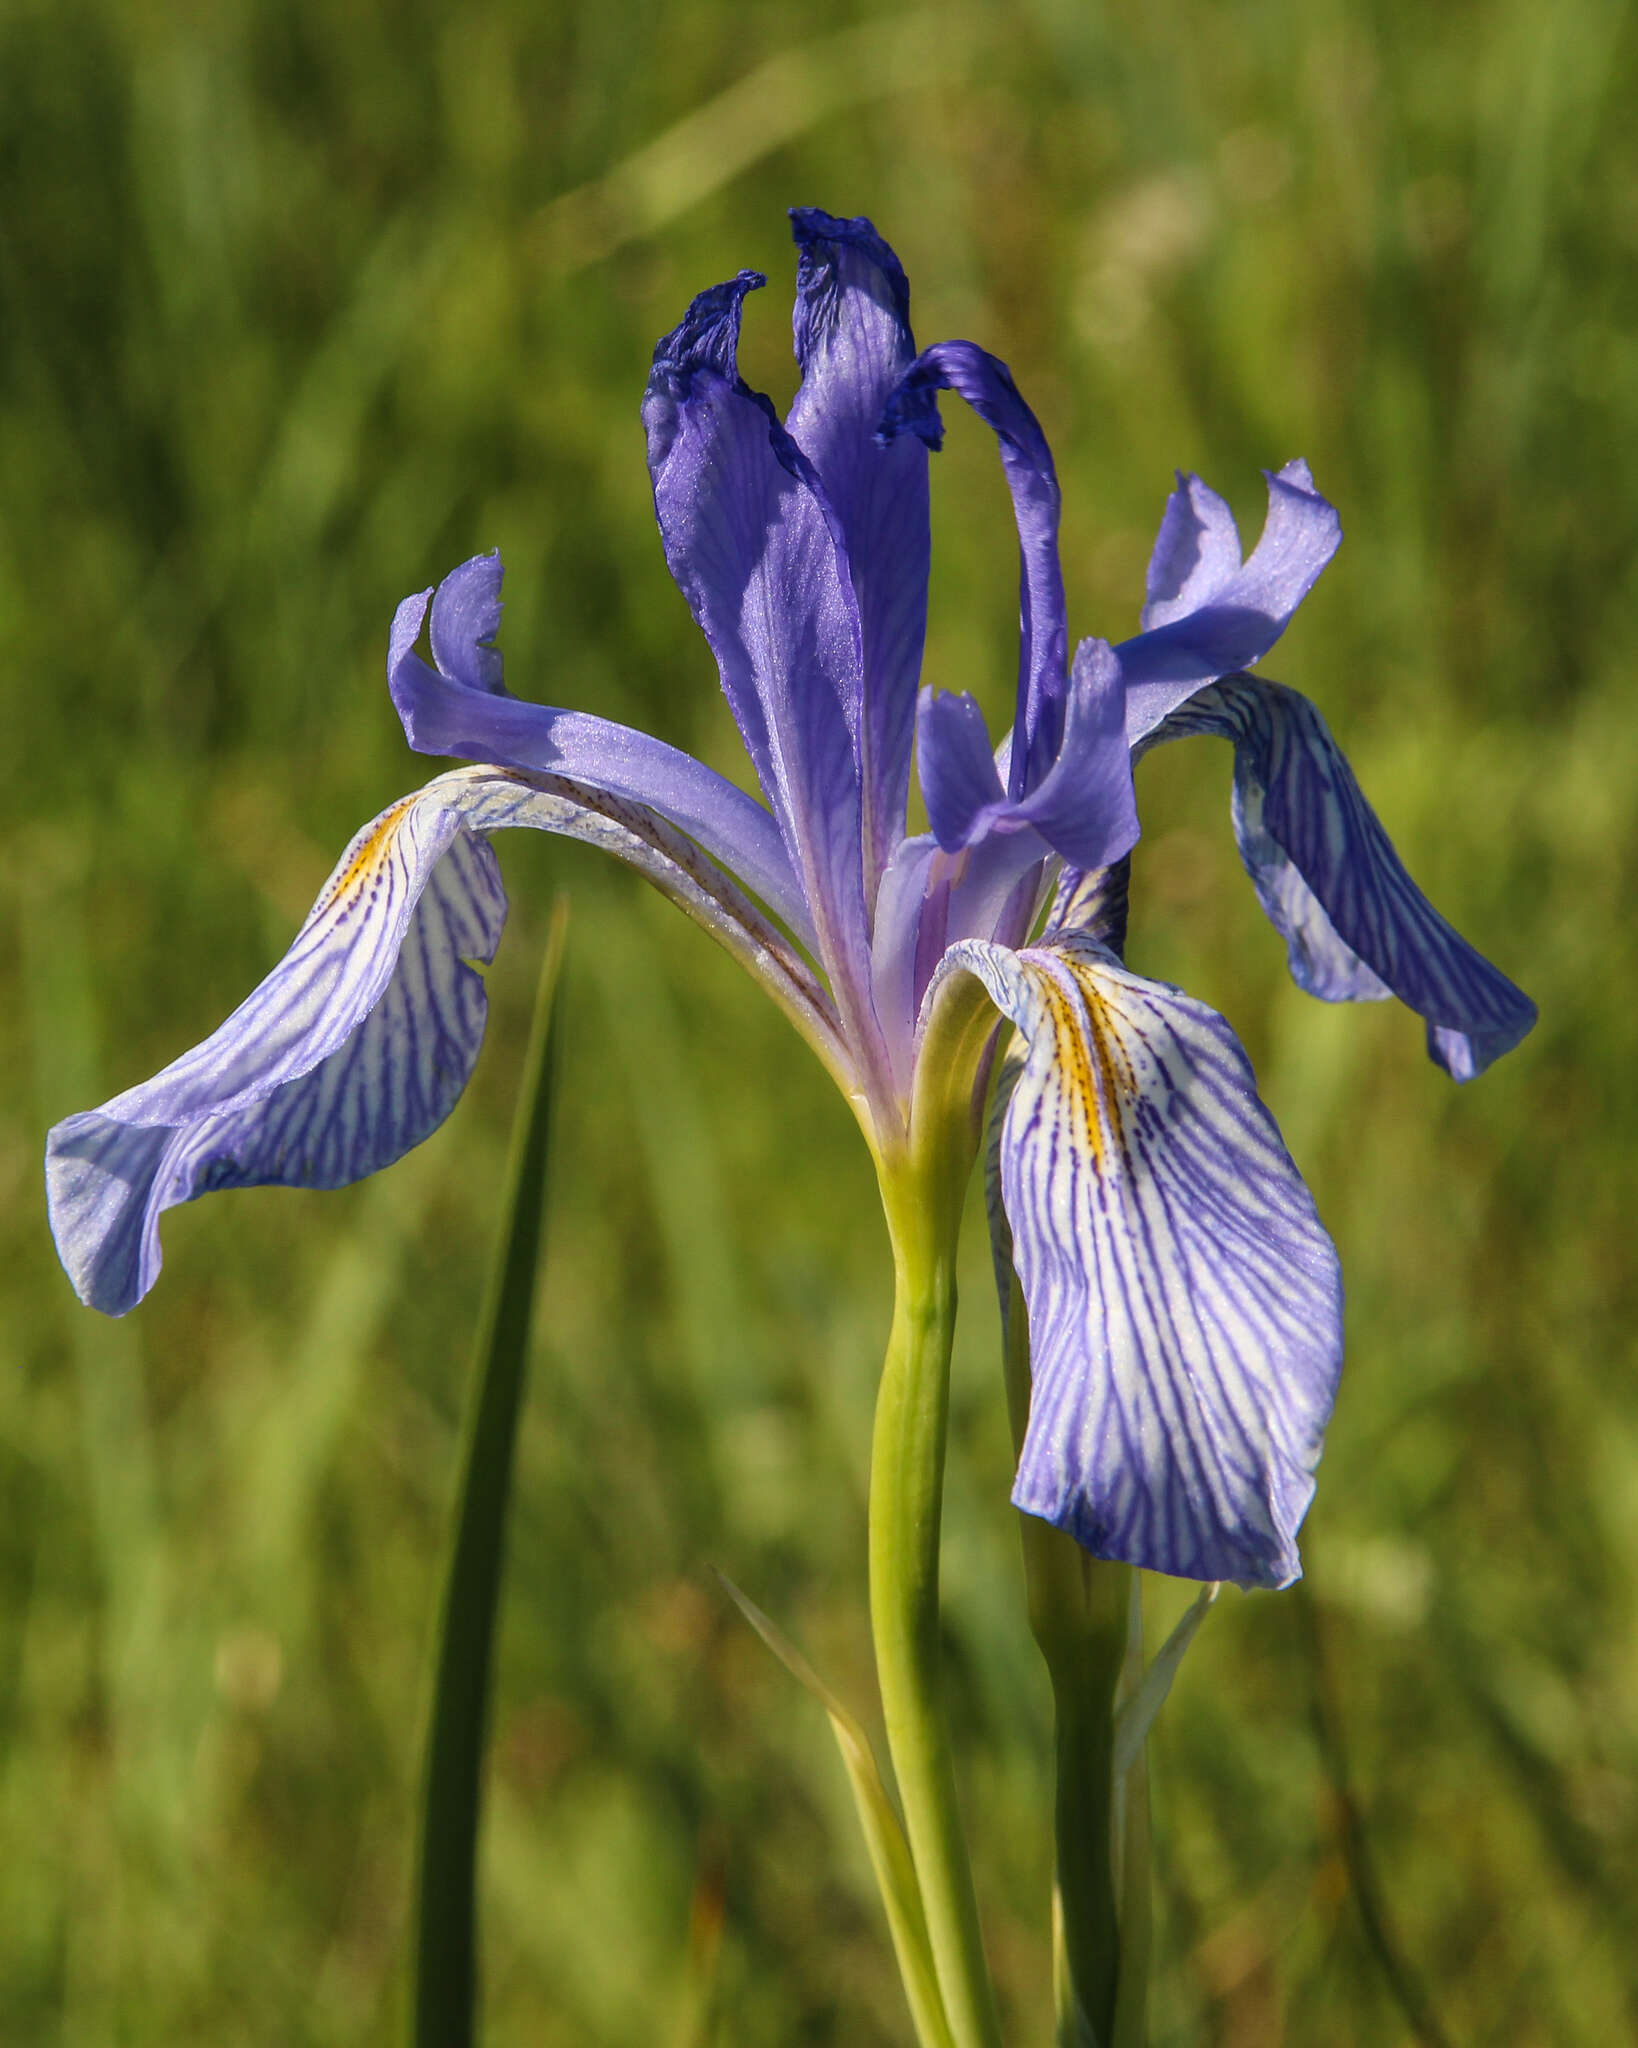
[696, 2023]
[784, 97]
[884, 1836]
[445, 1990]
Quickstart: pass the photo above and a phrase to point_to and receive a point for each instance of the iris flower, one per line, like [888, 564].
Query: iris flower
[1183, 1300]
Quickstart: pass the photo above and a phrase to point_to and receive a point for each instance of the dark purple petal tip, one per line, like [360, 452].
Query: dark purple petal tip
[823, 240]
[913, 407]
[707, 336]
[987, 385]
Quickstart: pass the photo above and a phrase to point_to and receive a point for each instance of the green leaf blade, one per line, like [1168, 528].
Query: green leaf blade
[445, 1981]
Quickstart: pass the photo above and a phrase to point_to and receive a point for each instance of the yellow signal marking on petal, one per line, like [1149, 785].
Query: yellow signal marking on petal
[367, 854]
[1093, 1068]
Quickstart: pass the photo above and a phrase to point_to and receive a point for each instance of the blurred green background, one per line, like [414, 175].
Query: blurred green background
[302, 302]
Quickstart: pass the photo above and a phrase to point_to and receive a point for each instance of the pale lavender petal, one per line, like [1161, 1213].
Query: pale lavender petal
[444, 714]
[465, 619]
[407, 621]
[956, 767]
[1185, 1306]
[1084, 807]
[1356, 926]
[1215, 622]
[360, 1041]
[1197, 551]
[929, 899]
[853, 343]
[909, 891]
[986, 384]
[755, 550]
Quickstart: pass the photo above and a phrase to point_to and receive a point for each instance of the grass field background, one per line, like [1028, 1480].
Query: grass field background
[301, 303]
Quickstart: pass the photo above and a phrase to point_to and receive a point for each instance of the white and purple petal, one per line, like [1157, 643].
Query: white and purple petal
[1207, 613]
[1356, 926]
[462, 708]
[353, 1050]
[1185, 1306]
[986, 384]
[853, 343]
[360, 1041]
[1093, 902]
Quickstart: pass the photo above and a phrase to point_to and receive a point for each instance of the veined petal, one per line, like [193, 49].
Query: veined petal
[462, 708]
[756, 550]
[1207, 613]
[1093, 902]
[1184, 1302]
[353, 1050]
[986, 384]
[1356, 926]
[853, 342]
[359, 1043]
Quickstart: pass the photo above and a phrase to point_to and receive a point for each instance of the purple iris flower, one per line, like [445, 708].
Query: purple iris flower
[1184, 1302]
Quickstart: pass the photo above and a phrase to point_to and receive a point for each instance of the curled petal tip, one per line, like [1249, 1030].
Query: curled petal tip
[407, 621]
[466, 613]
[812, 227]
[1296, 473]
[834, 242]
[913, 409]
[1356, 927]
[707, 336]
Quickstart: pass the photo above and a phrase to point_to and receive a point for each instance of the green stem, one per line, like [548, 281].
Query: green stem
[906, 1490]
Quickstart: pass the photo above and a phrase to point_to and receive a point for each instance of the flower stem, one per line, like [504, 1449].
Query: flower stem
[906, 1490]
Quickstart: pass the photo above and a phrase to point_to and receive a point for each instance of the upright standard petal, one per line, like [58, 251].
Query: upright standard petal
[358, 1044]
[853, 342]
[1085, 807]
[462, 708]
[1082, 808]
[1185, 1307]
[959, 779]
[1043, 655]
[1207, 613]
[1356, 926]
[754, 547]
